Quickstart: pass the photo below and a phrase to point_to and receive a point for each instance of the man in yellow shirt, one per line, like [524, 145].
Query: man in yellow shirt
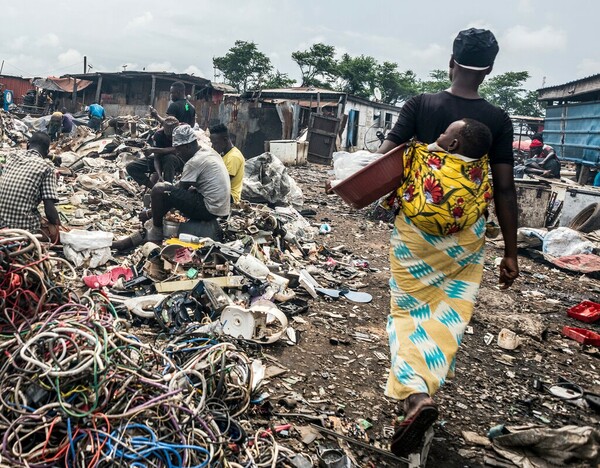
[232, 157]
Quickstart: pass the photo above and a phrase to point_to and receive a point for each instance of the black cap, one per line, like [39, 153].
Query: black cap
[475, 49]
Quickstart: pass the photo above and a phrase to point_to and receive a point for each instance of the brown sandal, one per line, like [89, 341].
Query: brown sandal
[410, 432]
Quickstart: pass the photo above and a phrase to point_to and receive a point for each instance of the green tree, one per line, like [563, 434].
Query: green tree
[529, 105]
[357, 75]
[278, 80]
[395, 86]
[439, 81]
[507, 91]
[317, 65]
[244, 66]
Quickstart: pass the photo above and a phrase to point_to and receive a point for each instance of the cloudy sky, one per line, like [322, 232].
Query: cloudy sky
[555, 41]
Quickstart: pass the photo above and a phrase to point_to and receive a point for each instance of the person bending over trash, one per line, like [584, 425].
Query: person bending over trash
[55, 125]
[543, 161]
[437, 263]
[161, 163]
[67, 121]
[28, 179]
[204, 191]
[96, 115]
[232, 157]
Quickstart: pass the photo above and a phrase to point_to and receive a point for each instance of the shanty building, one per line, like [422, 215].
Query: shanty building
[131, 92]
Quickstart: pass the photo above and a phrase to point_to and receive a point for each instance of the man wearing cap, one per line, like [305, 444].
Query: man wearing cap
[435, 278]
[204, 191]
[543, 161]
[160, 158]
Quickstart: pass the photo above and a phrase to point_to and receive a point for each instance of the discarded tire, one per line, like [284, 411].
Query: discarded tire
[588, 219]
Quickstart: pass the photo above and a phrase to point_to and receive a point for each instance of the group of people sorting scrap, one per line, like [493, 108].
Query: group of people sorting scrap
[198, 180]
[456, 141]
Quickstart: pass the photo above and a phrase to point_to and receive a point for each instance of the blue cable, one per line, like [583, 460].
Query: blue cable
[149, 446]
[70, 435]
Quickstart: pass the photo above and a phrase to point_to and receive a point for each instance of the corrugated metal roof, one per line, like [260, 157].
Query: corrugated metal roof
[297, 90]
[62, 85]
[223, 87]
[304, 94]
[305, 102]
[129, 75]
[571, 89]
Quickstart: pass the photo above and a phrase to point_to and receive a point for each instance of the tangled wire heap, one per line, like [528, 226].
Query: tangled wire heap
[77, 389]
[29, 279]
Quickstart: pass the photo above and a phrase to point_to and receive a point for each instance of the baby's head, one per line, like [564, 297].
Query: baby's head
[467, 137]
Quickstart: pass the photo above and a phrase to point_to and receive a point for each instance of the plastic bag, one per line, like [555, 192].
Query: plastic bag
[345, 164]
[564, 241]
[80, 246]
[266, 180]
[532, 237]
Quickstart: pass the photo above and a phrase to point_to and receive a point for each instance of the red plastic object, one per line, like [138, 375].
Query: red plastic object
[109, 278]
[373, 181]
[587, 311]
[583, 336]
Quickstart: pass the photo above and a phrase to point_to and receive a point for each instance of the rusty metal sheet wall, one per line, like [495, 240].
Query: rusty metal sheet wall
[19, 86]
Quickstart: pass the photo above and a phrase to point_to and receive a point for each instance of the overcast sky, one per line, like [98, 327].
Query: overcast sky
[555, 41]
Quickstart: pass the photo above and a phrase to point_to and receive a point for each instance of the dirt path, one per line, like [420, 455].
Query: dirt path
[342, 359]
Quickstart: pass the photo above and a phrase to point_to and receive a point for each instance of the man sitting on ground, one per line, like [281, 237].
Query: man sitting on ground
[232, 157]
[160, 158]
[27, 179]
[204, 191]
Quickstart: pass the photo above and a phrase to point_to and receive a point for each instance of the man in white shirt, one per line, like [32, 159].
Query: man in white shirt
[204, 191]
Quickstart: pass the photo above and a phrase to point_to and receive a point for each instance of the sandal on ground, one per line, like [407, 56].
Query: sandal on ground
[410, 432]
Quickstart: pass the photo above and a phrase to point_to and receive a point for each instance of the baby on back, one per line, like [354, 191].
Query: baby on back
[466, 137]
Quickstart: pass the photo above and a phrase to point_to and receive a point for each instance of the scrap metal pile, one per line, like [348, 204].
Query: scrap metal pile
[138, 359]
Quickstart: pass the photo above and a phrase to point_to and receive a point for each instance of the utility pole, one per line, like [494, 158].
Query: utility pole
[84, 64]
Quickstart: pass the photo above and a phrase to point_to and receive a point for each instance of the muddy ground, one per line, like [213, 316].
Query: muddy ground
[333, 368]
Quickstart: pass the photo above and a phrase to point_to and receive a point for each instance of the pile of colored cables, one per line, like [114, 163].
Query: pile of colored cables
[78, 389]
[30, 279]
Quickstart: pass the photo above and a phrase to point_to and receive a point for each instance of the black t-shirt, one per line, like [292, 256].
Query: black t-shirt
[183, 111]
[426, 116]
[161, 140]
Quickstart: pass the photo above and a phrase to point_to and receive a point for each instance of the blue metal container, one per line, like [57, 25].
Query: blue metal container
[573, 130]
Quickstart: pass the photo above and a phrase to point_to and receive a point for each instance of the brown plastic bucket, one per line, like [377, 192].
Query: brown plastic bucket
[373, 181]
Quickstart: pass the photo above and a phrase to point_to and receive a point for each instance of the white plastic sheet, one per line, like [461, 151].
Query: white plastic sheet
[564, 241]
[80, 246]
